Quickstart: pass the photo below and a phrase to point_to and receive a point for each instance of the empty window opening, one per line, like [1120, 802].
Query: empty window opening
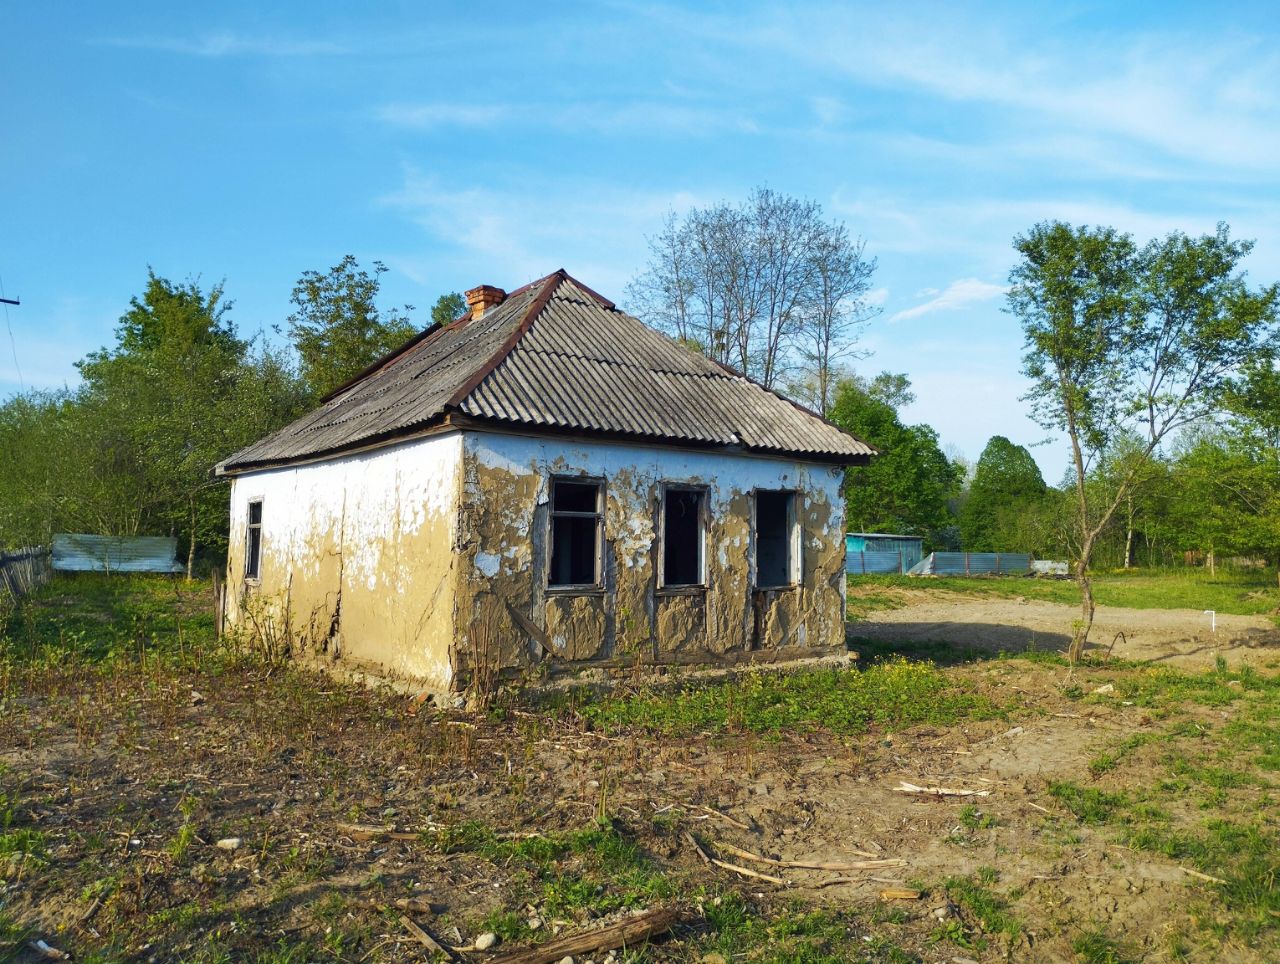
[253, 540]
[775, 539]
[682, 537]
[575, 533]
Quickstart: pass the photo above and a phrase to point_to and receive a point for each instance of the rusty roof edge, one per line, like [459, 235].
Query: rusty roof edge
[872, 450]
[552, 282]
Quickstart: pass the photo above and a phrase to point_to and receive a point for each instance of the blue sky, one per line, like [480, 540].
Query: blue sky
[492, 143]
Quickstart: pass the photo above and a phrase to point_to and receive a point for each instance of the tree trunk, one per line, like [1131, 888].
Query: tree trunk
[191, 547]
[1128, 534]
[1080, 637]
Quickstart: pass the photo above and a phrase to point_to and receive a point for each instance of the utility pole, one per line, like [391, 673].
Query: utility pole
[10, 301]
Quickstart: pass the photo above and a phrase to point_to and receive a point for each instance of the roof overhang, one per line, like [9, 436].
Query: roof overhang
[457, 422]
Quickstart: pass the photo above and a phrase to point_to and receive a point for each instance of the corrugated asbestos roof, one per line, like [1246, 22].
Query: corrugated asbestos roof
[556, 356]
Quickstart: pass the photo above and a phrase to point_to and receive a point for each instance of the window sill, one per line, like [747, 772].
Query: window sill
[786, 588]
[680, 591]
[575, 590]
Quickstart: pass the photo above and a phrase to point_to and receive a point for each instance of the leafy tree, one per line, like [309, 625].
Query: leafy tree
[906, 487]
[1006, 483]
[448, 308]
[161, 397]
[1127, 340]
[767, 286]
[336, 326]
[131, 450]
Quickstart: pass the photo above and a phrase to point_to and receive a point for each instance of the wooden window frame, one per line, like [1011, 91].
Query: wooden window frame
[687, 588]
[250, 529]
[585, 588]
[795, 542]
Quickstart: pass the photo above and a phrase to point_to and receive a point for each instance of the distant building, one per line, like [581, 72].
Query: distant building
[879, 552]
[545, 478]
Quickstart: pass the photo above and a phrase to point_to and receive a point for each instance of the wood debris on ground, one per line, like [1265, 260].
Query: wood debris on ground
[627, 932]
[904, 787]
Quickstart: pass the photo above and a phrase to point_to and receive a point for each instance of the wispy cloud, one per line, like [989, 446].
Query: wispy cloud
[1208, 99]
[428, 116]
[663, 116]
[958, 294]
[510, 236]
[228, 44]
[876, 297]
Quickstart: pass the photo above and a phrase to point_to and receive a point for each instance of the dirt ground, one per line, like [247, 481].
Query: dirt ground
[1178, 637]
[131, 771]
[110, 772]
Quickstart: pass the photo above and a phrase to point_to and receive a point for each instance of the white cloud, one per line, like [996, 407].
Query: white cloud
[662, 116]
[510, 236]
[876, 297]
[958, 294]
[427, 116]
[228, 44]
[1209, 99]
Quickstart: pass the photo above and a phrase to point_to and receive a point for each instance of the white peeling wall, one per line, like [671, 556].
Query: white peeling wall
[361, 549]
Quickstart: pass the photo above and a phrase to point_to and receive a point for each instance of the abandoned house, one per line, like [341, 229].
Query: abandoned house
[545, 478]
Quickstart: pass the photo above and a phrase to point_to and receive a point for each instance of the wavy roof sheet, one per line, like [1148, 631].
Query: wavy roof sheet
[555, 356]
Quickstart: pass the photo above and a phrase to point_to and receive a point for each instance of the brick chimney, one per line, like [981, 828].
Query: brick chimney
[481, 299]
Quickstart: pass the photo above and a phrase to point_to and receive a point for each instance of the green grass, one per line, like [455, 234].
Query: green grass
[1239, 847]
[1096, 946]
[793, 935]
[988, 908]
[1249, 592]
[1109, 759]
[96, 617]
[597, 869]
[891, 695]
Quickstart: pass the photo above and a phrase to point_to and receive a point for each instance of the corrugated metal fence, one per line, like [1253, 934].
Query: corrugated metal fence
[84, 553]
[879, 552]
[23, 570]
[972, 564]
[861, 563]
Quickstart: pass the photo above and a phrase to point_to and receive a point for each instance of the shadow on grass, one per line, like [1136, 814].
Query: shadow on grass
[921, 641]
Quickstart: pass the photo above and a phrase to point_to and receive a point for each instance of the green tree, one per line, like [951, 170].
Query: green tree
[131, 450]
[448, 309]
[1006, 483]
[906, 487]
[336, 326]
[1123, 340]
[159, 404]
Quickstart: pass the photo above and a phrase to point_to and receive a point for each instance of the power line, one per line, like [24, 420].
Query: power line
[13, 345]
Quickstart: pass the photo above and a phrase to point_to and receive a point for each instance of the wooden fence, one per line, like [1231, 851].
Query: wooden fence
[22, 570]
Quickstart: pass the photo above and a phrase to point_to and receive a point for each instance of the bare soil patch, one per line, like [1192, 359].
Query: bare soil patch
[1178, 637]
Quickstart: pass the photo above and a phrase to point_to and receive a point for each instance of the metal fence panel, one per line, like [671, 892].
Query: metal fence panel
[862, 563]
[85, 553]
[972, 564]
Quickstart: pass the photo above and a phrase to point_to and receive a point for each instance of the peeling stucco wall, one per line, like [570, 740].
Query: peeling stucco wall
[429, 558]
[356, 556]
[502, 546]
